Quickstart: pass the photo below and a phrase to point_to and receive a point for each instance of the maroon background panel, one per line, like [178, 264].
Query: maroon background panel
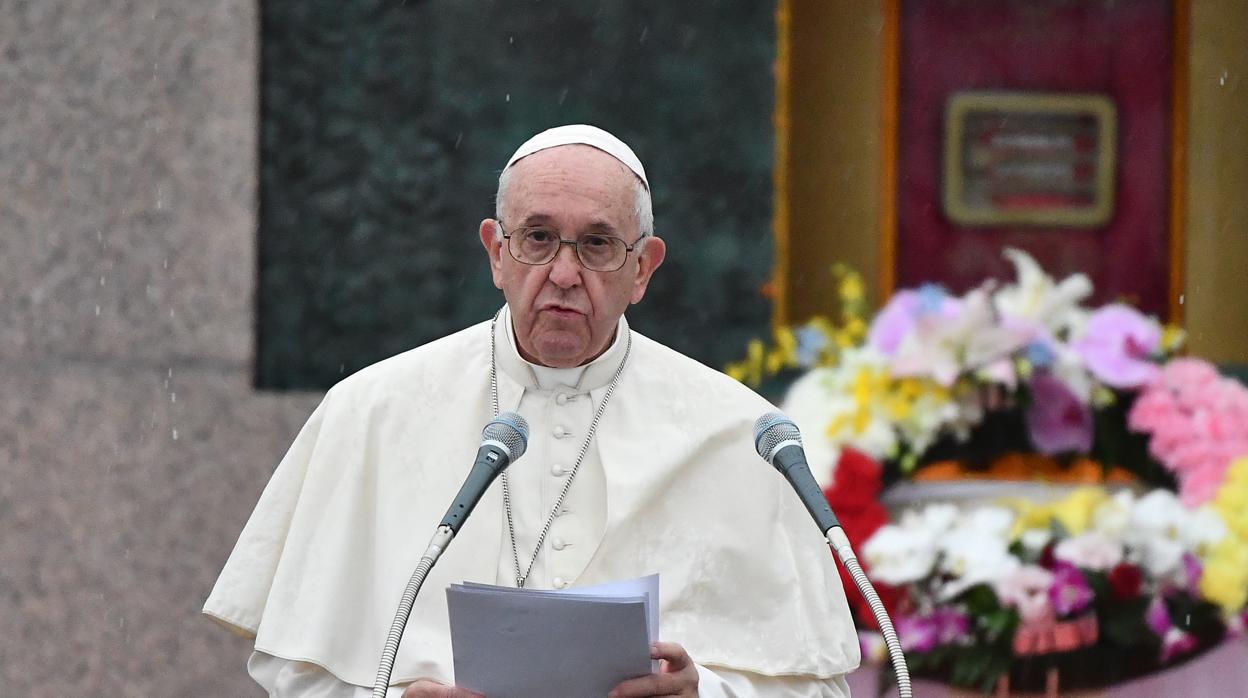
[1120, 49]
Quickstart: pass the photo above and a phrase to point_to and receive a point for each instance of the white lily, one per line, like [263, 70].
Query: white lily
[1035, 296]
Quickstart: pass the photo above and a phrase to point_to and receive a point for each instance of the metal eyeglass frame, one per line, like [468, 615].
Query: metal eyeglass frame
[576, 246]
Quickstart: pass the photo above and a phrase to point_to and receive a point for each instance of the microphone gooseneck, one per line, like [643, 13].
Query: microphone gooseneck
[779, 442]
[503, 441]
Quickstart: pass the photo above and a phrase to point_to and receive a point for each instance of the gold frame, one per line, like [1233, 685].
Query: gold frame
[962, 104]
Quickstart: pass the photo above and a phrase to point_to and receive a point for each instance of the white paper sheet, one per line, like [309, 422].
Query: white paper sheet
[521, 643]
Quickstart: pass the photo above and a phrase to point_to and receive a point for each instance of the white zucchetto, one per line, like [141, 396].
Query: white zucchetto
[583, 134]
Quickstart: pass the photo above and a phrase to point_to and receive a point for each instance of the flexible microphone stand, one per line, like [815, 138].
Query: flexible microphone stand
[780, 443]
[504, 440]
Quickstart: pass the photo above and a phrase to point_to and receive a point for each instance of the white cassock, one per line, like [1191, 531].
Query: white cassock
[671, 484]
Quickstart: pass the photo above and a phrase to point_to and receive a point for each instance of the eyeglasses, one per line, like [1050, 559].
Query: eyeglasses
[595, 251]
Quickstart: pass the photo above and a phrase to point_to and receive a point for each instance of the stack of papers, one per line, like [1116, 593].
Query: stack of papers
[520, 643]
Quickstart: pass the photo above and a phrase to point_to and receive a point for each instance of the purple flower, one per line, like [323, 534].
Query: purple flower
[1192, 570]
[1070, 592]
[1174, 641]
[1158, 617]
[1056, 420]
[917, 633]
[954, 626]
[922, 633]
[1116, 344]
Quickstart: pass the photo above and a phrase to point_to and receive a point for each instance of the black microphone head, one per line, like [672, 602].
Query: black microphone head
[511, 430]
[771, 431]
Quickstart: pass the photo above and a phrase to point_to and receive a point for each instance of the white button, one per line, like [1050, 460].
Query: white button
[557, 470]
[559, 582]
[561, 399]
[560, 432]
[558, 543]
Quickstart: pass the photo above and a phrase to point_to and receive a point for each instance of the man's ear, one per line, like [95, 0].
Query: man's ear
[652, 253]
[492, 241]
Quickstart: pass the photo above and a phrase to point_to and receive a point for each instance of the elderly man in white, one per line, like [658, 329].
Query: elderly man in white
[640, 460]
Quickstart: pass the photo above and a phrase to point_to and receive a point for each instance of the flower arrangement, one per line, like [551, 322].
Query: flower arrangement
[1022, 380]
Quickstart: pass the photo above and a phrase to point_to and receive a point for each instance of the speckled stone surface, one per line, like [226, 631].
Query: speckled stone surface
[132, 445]
[127, 150]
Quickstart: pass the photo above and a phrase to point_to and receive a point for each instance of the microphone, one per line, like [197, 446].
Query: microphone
[778, 441]
[503, 441]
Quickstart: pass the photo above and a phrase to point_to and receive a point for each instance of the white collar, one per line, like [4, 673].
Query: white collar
[591, 376]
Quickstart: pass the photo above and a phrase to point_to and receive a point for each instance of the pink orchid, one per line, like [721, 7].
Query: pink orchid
[898, 318]
[1116, 344]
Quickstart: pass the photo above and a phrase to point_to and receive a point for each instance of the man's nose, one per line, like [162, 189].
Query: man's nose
[565, 268]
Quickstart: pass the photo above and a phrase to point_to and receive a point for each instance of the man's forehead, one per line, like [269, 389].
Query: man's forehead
[565, 157]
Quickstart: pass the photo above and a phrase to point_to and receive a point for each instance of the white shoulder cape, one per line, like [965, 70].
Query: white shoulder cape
[747, 581]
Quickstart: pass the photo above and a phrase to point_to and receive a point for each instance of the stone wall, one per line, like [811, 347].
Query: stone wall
[132, 446]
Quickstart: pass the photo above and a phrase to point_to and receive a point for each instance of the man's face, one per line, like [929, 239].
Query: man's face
[565, 315]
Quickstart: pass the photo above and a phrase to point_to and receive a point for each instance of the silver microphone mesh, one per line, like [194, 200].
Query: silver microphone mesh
[771, 430]
[511, 430]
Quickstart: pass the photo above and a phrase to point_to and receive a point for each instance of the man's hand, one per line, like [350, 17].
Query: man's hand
[425, 688]
[677, 675]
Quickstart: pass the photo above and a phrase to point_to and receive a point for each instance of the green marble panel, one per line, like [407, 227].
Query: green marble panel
[384, 125]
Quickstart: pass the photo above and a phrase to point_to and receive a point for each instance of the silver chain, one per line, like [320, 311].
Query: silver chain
[580, 457]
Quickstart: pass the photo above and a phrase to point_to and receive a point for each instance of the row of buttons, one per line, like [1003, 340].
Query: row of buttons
[558, 470]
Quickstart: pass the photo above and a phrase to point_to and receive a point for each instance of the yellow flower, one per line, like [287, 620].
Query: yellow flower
[856, 328]
[1172, 337]
[1225, 577]
[750, 369]
[1237, 472]
[1231, 501]
[785, 353]
[1074, 512]
[1103, 397]
[851, 288]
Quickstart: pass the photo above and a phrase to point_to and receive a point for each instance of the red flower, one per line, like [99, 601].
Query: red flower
[854, 496]
[1125, 581]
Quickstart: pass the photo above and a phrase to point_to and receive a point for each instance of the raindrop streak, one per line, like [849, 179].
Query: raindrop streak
[1222, 78]
[97, 311]
[173, 397]
[563, 94]
[507, 98]
[175, 434]
[101, 281]
[1181, 297]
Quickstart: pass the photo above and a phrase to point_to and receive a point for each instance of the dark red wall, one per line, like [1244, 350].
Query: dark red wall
[1121, 49]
